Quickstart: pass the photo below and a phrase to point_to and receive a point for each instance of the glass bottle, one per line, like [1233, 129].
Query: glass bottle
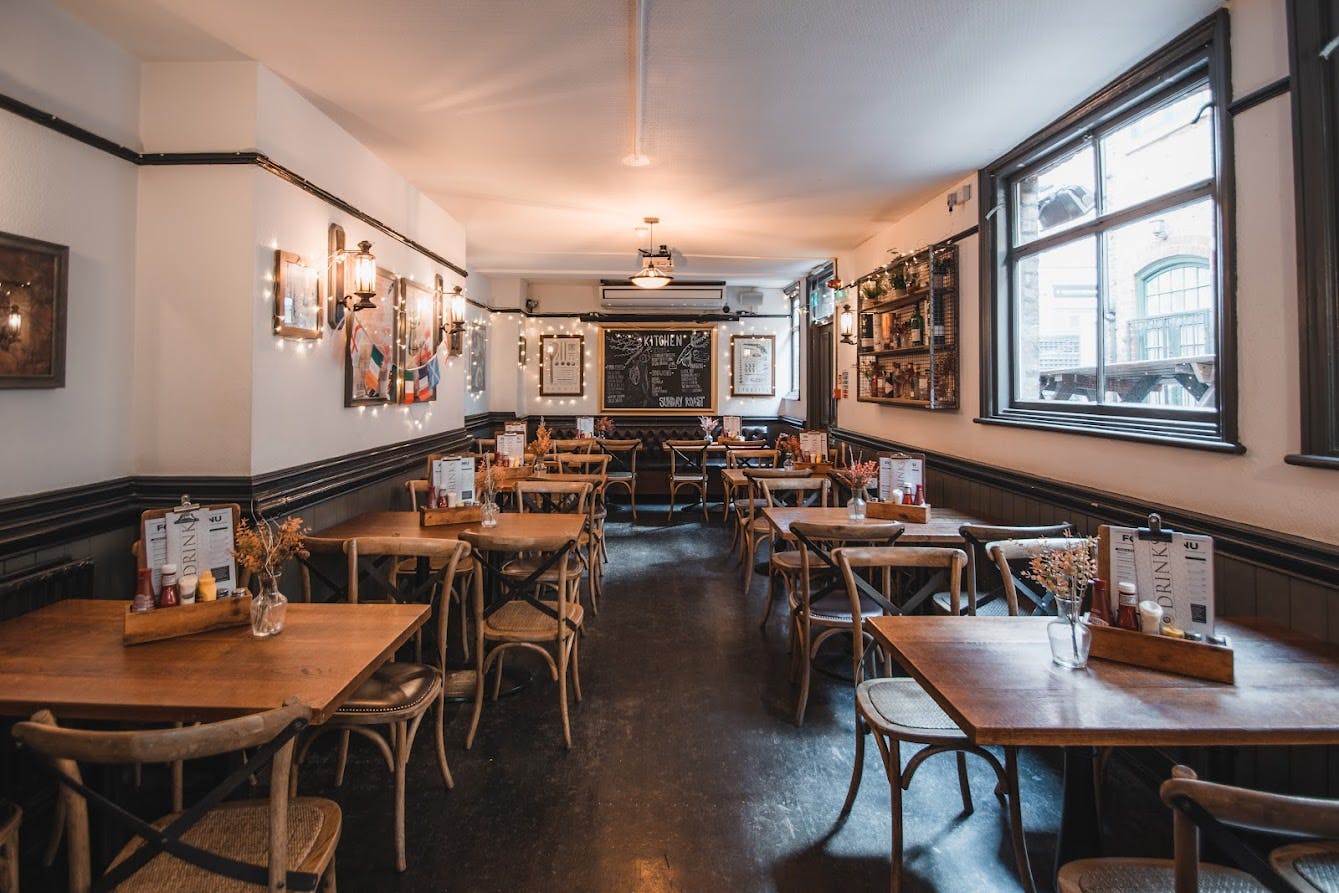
[1069, 637]
[855, 508]
[916, 327]
[1127, 614]
[1100, 609]
[143, 591]
[268, 608]
[168, 596]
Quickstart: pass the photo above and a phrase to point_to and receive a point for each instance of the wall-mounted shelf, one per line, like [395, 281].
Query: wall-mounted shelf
[907, 331]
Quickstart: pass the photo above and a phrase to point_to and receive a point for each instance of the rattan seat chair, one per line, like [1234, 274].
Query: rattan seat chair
[573, 445]
[524, 620]
[1310, 867]
[282, 843]
[743, 458]
[898, 709]
[775, 493]
[748, 510]
[568, 494]
[623, 473]
[687, 471]
[398, 694]
[828, 614]
[991, 602]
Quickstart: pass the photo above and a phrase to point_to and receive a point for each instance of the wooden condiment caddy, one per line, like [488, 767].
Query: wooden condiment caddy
[896, 511]
[816, 467]
[185, 620]
[1166, 653]
[460, 514]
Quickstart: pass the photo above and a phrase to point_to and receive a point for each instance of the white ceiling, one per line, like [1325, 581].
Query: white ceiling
[780, 132]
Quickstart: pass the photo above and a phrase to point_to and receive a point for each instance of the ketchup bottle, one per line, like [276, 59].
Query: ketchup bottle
[169, 597]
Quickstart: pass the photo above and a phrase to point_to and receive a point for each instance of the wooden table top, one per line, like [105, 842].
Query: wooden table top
[995, 677]
[735, 476]
[407, 524]
[940, 530]
[68, 657]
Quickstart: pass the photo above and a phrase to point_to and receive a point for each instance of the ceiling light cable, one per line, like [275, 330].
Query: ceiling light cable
[637, 76]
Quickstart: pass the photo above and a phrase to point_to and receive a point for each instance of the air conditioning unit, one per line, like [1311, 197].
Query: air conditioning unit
[683, 298]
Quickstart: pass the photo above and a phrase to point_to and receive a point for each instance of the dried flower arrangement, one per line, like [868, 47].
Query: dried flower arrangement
[604, 425]
[263, 547]
[708, 424]
[789, 445]
[490, 482]
[543, 442]
[862, 474]
[1064, 571]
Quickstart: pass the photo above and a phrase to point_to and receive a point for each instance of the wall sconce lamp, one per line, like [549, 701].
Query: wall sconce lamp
[846, 324]
[11, 327]
[352, 274]
[364, 277]
[455, 316]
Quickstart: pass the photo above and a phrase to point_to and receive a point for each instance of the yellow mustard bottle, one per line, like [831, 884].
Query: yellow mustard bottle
[205, 589]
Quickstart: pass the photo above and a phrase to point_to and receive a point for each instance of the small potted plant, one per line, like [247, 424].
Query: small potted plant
[263, 548]
[1065, 571]
[708, 426]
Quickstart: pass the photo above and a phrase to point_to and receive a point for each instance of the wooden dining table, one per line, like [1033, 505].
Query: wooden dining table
[995, 677]
[69, 658]
[409, 524]
[940, 530]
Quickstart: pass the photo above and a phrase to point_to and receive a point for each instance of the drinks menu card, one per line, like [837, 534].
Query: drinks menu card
[1175, 570]
[812, 442]
[195, 541]
[454, 475]
[731, 425]
[586, 426]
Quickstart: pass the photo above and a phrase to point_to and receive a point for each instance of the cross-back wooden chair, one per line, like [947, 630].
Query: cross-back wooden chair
[743, 458]
[1021, 594]
[747, 508]
[524, 570]
[573, 444]
[564, 493]
[1213, 809]
[399, 693]
[622, 469]
[594, 467]
[778, 492]
[896, 709]
[808, 573]
[985, 590]
[687, 471]
[284, 843]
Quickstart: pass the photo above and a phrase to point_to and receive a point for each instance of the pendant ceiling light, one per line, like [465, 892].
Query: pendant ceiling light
[651, 275]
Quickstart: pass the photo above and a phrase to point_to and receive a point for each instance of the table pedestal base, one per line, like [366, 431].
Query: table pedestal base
[1080, 829]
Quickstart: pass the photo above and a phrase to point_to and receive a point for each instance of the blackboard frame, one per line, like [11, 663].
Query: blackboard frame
[651, 328]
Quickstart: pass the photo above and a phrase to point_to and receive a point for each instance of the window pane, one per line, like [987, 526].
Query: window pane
[1166, 148]
[1055, 318]
[1054, 198]
[1159, 325]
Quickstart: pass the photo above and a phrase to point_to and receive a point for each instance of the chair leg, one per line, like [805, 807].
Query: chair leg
[750, 549]
[328, 880]
[343, 759]
[858, 770]
[497, 679]
[576, 667]
[893, 765]
[464, 621]
[806, 663]
[706, 519]
[632, 500]
[964, 786]
[401, 734]
[441, 741]
[478, 701]
[673, 490]
[562, 694]
[1016, 820]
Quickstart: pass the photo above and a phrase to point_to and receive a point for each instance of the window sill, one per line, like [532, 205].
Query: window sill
[792, 396]
[1312, 460]
[1091, 427]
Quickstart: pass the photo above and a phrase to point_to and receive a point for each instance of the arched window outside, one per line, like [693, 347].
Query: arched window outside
[1176, 300]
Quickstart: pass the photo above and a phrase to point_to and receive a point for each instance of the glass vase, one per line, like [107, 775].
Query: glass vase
[268, 608]
[1070, 637]
[855, 508]
[489, 518]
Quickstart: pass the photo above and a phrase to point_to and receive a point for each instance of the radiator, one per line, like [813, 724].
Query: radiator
[34, 588]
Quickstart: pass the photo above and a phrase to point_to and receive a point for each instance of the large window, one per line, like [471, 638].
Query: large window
[1106, 268]
[793, 297]
[1313, 28]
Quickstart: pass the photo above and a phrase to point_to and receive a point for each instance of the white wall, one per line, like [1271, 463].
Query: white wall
[55, 189]
[1256, 488]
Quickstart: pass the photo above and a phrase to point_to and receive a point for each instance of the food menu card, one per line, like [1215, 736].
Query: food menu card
[1175, 570]
[900, 472]
[453, 474]
[512, 446]
[586, 426]
[812, 442]
[731, 425]
[196, 541]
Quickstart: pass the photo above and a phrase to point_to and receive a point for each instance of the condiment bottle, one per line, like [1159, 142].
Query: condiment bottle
[1101, 606]
[169, 597]
[920, 494]
[207, 590]
[1127, 615]
[186, 588]
[143, 592]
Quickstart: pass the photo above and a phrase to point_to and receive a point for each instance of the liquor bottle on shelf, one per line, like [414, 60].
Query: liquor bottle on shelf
[867, 331]
[923, 383]
[937, 316]
[916, 327]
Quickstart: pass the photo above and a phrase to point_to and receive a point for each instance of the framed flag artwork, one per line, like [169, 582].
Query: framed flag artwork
[369, 363]
[420, 318]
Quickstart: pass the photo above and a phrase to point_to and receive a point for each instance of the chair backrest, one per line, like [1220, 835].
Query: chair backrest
[751, 458]
[548, 496]
[66, 748]
[583, 463]
[574, 445]
[687, 458]
[745, 444]
[1011, 558]
[983, 579]
[888, 559]
[446, 554]
[623, 453]
[417, 490]
[775, 491]
[830, 536]
[485, 445]
[493, 546]
[315, 546]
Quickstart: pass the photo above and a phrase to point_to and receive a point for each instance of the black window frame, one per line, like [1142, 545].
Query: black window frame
[1202, 53]
[1312, 25]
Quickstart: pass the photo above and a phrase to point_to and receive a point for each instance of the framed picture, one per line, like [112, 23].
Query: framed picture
[369, 362]
[752, 365]
[297, 298]
[668, 368]
[562, 370]
[421, 322]
[34, 280]
[478, 359]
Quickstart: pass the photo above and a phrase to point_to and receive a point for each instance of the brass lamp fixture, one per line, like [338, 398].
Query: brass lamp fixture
[351, 274]
[364, 277]
[453, 325]
[846, 325]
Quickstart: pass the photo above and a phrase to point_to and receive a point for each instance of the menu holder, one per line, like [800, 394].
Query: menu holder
[1166, 653]
[205, 543]
[816, 467]
[185, 620]
[459, 514]
[896, 511]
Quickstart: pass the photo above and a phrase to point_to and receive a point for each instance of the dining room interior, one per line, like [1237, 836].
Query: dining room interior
[669, 446]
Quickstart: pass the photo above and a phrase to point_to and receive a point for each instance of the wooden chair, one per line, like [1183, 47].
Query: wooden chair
[743, 458]
[688, 470]
[747, 516]
[573, 496]
[419, 490]
[990, 602]
[623, 457]
[775, 493]
[828, 611]
[484, 446]
[573, 445]
[1011, 557]
[1312, 867]
[10, 819]
[521, 618]
[897, 709]
[284, 843]
[398, 694]
[593, 467]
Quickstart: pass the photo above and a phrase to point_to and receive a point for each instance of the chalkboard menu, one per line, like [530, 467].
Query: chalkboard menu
[664, 368]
